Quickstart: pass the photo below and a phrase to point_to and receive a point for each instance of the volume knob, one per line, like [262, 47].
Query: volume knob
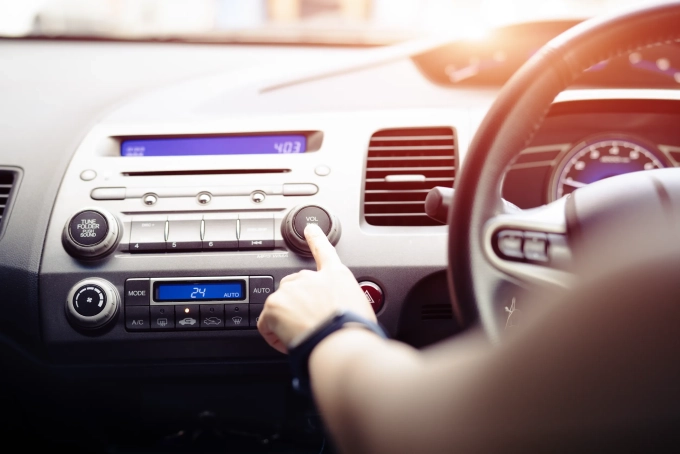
[293, 226]
[90, 233]
[92, 303]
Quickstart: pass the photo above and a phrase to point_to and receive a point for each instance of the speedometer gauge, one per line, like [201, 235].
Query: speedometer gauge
[597, 159]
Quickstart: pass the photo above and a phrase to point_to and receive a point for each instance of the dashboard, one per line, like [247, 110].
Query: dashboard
[154, 194]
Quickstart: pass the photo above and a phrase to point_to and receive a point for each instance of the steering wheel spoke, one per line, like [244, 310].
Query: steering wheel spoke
[531, 245]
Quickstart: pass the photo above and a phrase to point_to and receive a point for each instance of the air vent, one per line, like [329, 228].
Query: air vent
[402, 166]
[7, 179]
[436, 312]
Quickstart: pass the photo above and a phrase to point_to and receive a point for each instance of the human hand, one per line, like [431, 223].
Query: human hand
[306, 299]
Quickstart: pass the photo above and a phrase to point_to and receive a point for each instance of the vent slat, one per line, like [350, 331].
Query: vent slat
[6, 184]
[436, 312]
[396, 214]
[402, 166]
[382, 180]
[411, 168]
[418, 148]
[396, 138]
[395, 203]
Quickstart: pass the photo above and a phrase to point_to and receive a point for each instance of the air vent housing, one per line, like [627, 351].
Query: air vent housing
[8, 179]
[402, 166]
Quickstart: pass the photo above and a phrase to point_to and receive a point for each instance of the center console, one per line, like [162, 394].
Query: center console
[166, 239]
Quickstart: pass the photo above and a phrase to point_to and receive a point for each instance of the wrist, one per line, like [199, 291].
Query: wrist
[301, 348]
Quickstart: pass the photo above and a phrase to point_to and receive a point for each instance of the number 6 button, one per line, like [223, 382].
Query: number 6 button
[219, 232]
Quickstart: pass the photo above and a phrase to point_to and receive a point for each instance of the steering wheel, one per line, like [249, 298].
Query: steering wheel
[481, 225]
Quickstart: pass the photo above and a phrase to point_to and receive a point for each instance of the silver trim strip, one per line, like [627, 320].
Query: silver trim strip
[617, 93]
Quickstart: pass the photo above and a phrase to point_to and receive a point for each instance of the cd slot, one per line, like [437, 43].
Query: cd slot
[203, 172]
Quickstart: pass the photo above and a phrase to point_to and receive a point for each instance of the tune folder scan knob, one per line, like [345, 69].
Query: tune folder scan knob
[293, 226]
[92, 303]
[91, 233]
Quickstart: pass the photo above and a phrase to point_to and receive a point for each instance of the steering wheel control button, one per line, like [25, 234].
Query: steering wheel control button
[536, 246]
[88, 175]
[256, 232]
[260, 288]
[90, 233]
[255, 311]
[373, 294]
[137, 318]
[147, 234]
[311, 215]
[92, 303]
[212, 316]
[162, 317]
[137, 292]
[184, 233]
[219, 233]
[295, 221]
[559, 252]
[236, 316]
[510, 243]
[187, 317]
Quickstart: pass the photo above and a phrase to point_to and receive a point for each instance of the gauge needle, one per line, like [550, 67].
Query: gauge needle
[574, 183]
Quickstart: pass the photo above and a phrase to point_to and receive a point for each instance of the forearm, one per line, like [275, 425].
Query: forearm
[357, 379]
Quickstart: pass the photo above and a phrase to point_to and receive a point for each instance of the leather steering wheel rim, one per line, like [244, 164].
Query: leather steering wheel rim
[508, 128]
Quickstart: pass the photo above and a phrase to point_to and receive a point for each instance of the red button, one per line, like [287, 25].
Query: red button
[373, 294]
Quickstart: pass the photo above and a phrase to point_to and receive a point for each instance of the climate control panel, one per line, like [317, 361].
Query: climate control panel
[195, 303]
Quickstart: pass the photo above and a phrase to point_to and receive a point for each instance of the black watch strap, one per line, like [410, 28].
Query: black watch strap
[299, 355]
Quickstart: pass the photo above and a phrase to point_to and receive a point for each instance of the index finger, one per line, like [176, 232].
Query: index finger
[323, 251]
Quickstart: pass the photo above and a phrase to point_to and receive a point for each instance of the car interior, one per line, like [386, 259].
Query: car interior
[146, 213]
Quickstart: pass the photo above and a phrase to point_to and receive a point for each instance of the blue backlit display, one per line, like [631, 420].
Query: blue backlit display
[197, 291]
[201, 146]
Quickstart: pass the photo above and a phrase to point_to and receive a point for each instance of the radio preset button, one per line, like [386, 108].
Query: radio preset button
[260, 288]
[236, 316]
[184, 234]
[256, 233]
[212, 316]
[137, 292]
[187, 317]
[162, 317]
[147, 234]
[137, 318]
[220, 234]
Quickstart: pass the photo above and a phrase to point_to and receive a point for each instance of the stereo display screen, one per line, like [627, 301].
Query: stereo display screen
[211, 146]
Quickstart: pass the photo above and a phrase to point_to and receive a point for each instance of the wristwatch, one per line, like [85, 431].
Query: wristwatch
[300, 349]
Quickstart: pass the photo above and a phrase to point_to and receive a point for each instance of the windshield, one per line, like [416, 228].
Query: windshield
[345, 22]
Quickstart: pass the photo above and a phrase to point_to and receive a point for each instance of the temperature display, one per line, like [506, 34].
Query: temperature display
[199, 291]
[205, 146]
